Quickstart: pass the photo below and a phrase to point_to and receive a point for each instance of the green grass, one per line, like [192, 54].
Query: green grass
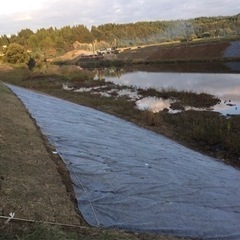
[209, 131]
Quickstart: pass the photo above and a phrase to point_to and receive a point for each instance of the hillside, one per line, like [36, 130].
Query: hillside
[188, 52]
[213, 50]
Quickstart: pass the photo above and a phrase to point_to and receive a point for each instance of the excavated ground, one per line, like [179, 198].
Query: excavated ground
[185, 52]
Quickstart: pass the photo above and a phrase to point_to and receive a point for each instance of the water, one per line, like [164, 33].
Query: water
[225, 86]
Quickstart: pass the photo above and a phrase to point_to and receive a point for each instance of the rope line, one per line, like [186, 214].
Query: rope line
[43, 222]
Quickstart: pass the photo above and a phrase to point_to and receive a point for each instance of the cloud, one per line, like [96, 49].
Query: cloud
[22, 17]
[58, 13]
[15, 6]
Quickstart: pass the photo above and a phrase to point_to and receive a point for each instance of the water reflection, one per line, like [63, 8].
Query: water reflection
[225, 86]
[153, 104]
[101, 73]
[227, 109]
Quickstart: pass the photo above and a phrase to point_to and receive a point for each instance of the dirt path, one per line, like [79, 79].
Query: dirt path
[31, 183]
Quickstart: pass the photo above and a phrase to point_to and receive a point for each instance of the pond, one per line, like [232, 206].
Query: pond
[225, 86]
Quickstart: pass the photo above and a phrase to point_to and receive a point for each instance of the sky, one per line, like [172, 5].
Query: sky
[16, 15]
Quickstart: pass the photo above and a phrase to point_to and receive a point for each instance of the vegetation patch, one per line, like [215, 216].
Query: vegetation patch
[210, 132]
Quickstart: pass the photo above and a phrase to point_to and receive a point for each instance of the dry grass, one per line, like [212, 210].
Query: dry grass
[30, 183]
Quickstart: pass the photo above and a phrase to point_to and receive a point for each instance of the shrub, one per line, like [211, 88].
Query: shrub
[15, 53]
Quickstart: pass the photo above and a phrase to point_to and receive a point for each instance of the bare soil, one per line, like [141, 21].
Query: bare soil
[213, 50]
[178, 52]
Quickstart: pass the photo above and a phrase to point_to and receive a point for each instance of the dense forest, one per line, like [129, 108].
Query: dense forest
[53, 41]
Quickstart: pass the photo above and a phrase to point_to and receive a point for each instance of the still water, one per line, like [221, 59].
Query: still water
[226, 86]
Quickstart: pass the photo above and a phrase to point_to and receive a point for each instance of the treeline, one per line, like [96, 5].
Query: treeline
[160, 31]
[50, 41]
[53, 41]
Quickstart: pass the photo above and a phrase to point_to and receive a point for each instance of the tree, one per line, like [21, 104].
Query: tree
[47, 47]
[15, 53]
[23, 36]
[60, 45]
[33, 42]
[46, 44]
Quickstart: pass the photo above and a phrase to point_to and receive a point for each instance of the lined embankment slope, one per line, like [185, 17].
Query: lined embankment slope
[185, 52]
[35, 185]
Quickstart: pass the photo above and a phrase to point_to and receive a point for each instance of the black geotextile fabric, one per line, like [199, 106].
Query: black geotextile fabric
[128, 177]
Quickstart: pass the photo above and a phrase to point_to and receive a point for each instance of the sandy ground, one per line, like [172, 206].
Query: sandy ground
[31, 182]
